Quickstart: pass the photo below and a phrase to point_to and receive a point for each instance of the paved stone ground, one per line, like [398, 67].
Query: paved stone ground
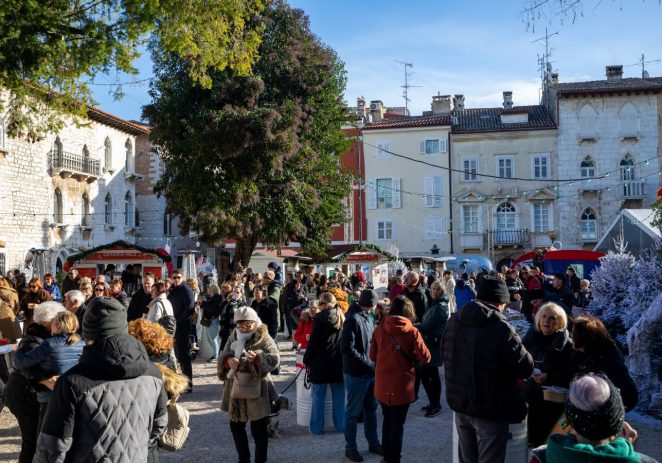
[426, 439]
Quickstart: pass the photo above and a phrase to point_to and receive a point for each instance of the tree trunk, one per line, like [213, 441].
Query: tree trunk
[641, 339]
[242, 253]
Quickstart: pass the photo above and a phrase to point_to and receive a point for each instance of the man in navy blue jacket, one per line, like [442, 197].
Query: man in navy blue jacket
[181, 298]
[359, 372]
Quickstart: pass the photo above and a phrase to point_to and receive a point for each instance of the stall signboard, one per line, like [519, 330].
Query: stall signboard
[380, 277]
[358, 257]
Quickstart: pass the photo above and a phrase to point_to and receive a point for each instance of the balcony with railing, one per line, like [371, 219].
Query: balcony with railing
[508, 237]
[74, 165]
[633, 189]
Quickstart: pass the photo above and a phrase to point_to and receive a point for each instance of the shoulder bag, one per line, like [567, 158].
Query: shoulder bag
[245, 386]
[413, 361]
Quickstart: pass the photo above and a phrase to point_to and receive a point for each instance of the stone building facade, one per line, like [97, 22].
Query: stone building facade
[608, 151]
[504, 195]
[71, 191]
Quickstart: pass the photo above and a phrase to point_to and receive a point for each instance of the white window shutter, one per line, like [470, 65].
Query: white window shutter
[438, 190]
[551, 216]
[480, 219]
[397, 195]
[371, 186]
[421, 147]
[428, 188]
[393, 237]
[442, 145]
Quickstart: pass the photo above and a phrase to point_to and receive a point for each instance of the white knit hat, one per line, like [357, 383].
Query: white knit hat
[246, 313]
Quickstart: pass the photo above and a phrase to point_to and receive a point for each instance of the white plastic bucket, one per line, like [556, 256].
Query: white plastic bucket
[305, 404]
[517, 450]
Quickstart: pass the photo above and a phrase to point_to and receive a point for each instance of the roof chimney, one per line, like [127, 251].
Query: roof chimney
[441, 104]
[458, 102]
[360, 106]
[615, 73]
[507, 99]
[555, 78]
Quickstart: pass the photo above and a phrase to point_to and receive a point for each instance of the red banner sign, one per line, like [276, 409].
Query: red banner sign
[121, 255]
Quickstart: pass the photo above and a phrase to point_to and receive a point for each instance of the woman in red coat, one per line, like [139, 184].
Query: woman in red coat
[395, 348]
[305, 327]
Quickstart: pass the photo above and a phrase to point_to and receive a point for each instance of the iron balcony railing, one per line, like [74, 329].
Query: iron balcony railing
[74, 163]
[508, 237]
[633, 189]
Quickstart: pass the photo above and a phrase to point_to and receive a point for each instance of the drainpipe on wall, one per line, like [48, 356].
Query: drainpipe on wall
[450, 191]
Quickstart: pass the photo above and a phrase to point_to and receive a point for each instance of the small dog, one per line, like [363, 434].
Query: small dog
[281, 403]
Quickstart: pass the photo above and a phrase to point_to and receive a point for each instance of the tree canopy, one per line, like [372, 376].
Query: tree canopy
[256, 158]
[50, 50]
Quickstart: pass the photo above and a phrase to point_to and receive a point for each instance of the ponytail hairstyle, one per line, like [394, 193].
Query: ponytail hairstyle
[67, 323]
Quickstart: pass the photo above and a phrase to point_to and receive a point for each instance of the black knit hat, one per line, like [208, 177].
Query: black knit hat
[602, 423]
[493, 289]
[104, 317]
[368, 298]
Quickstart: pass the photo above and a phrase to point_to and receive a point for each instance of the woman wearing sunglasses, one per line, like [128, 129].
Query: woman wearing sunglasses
[244, 366]
[36, 295]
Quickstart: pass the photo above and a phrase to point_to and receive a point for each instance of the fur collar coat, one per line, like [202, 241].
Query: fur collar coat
[266, 361]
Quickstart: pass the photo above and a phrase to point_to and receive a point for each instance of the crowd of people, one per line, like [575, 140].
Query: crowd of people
[81, 362]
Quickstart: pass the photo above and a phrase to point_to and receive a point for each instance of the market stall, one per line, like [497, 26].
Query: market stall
[118, 255]
[366, 258]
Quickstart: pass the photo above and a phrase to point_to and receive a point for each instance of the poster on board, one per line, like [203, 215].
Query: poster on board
[380, 278]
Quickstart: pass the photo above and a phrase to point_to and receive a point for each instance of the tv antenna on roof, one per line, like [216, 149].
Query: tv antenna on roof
[544, 64]
[406, 86]
[642, 62]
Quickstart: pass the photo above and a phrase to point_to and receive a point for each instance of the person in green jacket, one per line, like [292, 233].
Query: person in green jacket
[599, 432]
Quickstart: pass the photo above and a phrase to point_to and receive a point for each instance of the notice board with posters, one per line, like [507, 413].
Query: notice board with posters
[380, 277]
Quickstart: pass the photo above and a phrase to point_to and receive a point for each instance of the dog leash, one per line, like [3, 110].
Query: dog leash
[292, 382]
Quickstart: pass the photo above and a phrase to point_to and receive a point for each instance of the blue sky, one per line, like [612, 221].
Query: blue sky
[477, 48]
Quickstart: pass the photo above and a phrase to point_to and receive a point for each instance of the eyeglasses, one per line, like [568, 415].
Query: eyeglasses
[99, 290]
[177, 277]
[245, 322]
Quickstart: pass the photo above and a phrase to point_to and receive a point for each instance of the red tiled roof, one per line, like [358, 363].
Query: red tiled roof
[630, 84]
[404, 122]
[481, 120]
[111, 120]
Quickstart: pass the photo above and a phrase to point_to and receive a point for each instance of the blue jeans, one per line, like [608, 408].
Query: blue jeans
[319, 405]
[212, 336]
[360, 396]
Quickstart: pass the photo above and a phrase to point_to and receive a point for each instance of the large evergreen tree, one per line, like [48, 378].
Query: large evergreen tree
[49, 50]
[256, 158]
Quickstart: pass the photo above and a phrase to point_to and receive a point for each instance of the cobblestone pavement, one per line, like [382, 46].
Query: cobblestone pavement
[426, 439]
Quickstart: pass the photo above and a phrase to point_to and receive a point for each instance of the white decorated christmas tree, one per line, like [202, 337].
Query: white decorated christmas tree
[610, 286]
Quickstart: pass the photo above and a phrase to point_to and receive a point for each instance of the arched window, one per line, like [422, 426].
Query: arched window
[108, 210]
[167, 224]
[589, 225]
[128, 159]
[128, 210]
[628, 119]
[588, 122]
[587, 167]
[627, 168]
[108, 154]
[505, 215]
[58, 150]
[85, 211]
[57, 206]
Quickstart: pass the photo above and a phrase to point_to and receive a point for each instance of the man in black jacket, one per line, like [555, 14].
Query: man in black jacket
[483, 359]
[359, 373]
[140, 299]
[415, 292]
[112, 405]
[181, 298]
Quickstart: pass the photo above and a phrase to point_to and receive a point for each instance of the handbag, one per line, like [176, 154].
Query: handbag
[177, 430]
[206, 322]
[245, 386]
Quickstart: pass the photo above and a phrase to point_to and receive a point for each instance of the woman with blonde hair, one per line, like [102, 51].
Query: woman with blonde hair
[548, 342]
[323, 359]
[55, 356]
